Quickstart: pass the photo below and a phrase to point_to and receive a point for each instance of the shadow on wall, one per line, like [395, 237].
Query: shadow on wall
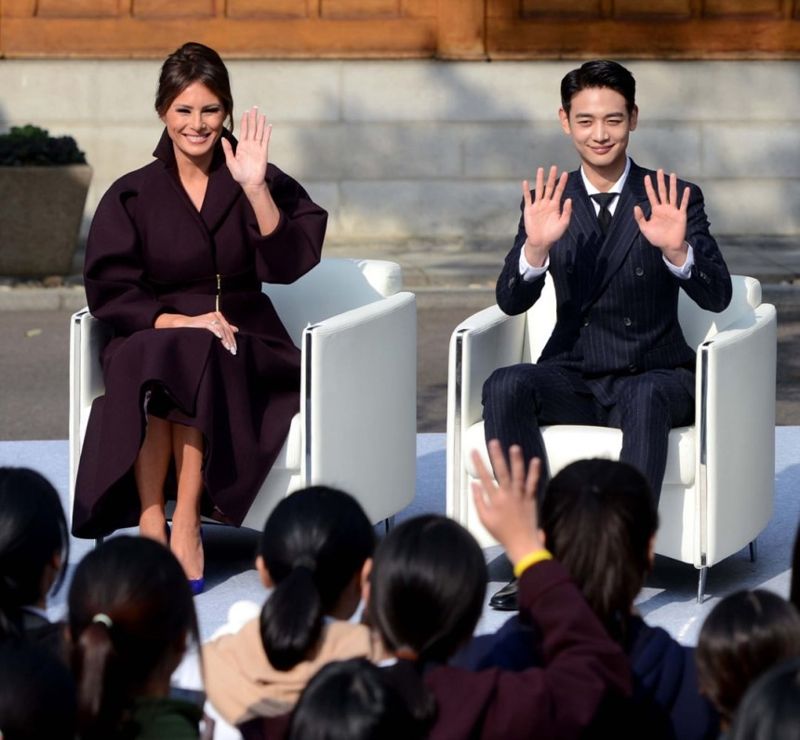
[420, 153]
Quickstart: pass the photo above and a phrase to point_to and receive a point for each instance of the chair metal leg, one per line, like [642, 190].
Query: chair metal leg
[753, 551]
[701, 584]
[388, 523]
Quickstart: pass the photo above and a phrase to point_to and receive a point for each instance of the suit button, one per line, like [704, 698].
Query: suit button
[627, 321]
[639, 271]
[632, 369]
[570, 269]
[586, 322]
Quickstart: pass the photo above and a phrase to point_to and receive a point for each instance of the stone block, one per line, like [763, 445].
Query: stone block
[503, 151]
[450, 91]
[287, 90]
[717, 90]
[746, 150]
[368, 151]
[753, 206]
[673, 147]
[415, 209]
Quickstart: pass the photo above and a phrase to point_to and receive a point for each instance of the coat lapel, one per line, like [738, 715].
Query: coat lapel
[622, 232]
[584, 230]
[221, 192]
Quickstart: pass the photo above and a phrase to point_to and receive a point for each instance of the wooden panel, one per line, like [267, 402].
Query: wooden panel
[77, 8]
[359, 8]
[420, 8]
[174, 8]
[743, 7]
[637, 8]
[582, 8]
[692, 39]
[270, 8]
[461, 29]
[232, 38]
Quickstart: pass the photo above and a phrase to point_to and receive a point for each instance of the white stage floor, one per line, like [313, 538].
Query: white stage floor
[668, 600]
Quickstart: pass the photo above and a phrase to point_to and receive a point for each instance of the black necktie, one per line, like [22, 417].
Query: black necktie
[604, 215]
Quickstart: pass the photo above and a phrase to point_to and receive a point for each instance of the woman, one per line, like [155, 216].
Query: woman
[201, 377]
[131, 619]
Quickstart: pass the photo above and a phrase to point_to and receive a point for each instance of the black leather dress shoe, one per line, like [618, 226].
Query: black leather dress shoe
[505, 600]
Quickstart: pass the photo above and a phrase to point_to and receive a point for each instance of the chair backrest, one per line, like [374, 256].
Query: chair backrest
[334, 286]
[697, 323]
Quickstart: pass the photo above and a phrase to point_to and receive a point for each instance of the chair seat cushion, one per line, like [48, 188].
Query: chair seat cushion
[566, 443]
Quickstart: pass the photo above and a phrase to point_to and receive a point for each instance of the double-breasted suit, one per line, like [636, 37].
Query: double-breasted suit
[617, 355]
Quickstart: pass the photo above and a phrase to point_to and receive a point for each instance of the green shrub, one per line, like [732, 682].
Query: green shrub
[31, 145]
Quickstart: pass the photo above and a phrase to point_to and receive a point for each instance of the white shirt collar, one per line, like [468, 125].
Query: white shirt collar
[615, 188]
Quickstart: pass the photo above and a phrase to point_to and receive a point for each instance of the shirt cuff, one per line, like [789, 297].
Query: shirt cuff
[527, 271]
[684, 272]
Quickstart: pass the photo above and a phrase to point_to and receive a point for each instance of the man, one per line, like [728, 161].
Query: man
[619, 242]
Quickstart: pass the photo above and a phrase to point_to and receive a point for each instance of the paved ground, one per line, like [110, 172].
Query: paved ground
[34, 343]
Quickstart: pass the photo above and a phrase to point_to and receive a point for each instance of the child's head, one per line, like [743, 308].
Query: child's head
[37, 699]
[34, 543]
[131, 616]
[600, 519]
[352, 700]
[426, 588]
[743, 636]
[770, 708]
[312, 550]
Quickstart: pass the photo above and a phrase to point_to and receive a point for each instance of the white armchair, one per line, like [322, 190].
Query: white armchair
[356, 428]
[718, 485]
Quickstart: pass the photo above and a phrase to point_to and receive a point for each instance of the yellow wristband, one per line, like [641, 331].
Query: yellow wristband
[537, 556]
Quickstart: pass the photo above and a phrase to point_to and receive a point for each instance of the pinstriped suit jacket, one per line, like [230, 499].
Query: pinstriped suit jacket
[617, 301]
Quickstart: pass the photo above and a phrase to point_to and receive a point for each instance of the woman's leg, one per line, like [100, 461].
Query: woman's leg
[187, 447]
[150, 471]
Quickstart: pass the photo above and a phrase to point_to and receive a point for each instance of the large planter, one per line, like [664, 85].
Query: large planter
[40, 218]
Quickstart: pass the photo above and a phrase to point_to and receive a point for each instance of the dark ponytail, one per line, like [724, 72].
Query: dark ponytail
[314, 543]
[291, 619]
[33, 530]
[99, 702]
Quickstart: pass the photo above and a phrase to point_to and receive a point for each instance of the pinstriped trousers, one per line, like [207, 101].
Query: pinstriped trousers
[518, 399]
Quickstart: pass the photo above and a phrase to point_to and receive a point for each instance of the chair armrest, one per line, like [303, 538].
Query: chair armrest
[736, 423]
[479, 345]
[87, 338]
[358, 403]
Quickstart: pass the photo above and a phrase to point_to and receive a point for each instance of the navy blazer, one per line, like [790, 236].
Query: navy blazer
[617, 302]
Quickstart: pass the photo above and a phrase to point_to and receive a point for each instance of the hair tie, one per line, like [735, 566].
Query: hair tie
[101, 618]
[305, 562]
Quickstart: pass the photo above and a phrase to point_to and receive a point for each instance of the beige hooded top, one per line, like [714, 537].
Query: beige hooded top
[241, 683]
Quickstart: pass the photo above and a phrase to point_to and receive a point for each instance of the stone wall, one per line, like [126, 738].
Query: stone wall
[430, 153]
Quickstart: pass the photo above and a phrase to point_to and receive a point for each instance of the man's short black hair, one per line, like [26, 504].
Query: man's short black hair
[599, 73]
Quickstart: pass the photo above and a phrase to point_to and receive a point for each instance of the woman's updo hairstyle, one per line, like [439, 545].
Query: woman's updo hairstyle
[32, 530]
[313, 544]
[194, 62]
[427, 587]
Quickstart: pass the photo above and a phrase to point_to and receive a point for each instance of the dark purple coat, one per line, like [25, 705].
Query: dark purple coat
[149, 252]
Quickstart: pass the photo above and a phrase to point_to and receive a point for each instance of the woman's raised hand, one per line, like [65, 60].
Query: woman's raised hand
[213, 321]
[248, 165]
[507, 508]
